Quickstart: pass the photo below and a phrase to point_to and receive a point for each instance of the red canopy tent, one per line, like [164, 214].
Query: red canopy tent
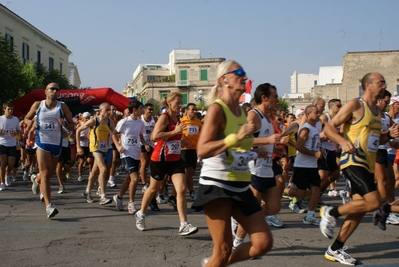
[84, 97]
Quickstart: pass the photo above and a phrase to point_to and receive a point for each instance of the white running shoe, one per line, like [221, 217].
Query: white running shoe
[333, 193]
[144, 188]
[392, 219]
[339, 255]
[140, 222]
[111, 182]
[273, 220]
[327, 222]
[35, 185]
[131, 207]
[296, 207]
[8, 180]
[345, 196]
[51, 211]
[161, 199]
[104, 200]
[187, 229]
[80, 178]
[2, 187]
[118, 202]
[311, 220]
[26, 176]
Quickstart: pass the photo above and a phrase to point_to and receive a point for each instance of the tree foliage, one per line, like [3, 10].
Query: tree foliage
[17, 79]
[283, 105]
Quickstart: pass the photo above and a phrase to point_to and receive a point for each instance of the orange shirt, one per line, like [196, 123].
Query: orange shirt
[191, 131]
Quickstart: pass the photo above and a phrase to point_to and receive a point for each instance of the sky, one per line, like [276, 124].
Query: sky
[270, 39]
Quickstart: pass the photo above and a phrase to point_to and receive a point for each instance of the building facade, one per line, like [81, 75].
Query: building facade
[303, 82]
[32, 45]
[74, 77]
[186, 72]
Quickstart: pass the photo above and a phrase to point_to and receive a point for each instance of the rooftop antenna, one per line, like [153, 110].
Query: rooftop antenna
[179, 45]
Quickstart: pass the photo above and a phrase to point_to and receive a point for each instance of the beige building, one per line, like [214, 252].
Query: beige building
[32, 45]
[355, 66]
[193, 78]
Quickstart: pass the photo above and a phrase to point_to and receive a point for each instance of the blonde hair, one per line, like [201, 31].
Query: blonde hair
[170, 97]
[222, 69]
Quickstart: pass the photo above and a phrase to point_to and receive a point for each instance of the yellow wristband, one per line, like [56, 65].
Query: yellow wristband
[231, 140]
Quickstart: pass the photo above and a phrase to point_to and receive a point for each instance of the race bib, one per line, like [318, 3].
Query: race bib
[173, 147]
[132, 141]
[241, 159]
[373, 141]
[8, 132]
[102, 145]
[192, 130]
[265, 162]
[48, 126]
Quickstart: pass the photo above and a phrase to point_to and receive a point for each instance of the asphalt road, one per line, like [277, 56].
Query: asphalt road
[85, 234]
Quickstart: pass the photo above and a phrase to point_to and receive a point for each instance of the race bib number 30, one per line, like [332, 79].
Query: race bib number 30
[173, 147]
[241, 159]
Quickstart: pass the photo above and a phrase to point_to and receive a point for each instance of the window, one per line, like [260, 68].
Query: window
[315, 82]
[183, 75]
[184, 99]
[25, 53]
[203, 75]
[151, 78]
[51, 63]
[10, 42]
[162, 96]
[39, 56]
[61, 68]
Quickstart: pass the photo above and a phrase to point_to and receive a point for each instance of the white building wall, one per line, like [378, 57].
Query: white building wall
[23, 32]
[74, 77]
[182, 54]
[330, 75]
[303, 82]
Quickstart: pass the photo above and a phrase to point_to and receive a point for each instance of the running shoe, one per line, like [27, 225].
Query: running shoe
[8, 180]
[104, 200]
[193, 195]
[111, 182]
[311, 220]
[13, 179]
[327, 222]
[333, 193]
[144, 188]
[140, 222]
[172, 202]
[393, 219]
[234, 226]
[339, 255]
[160, 199]
[204, 261]
[98, 192]
[51, 211]
[272, 220]
[88, 197]
[35, 185]
[131, 207]
[153, 205]
[80, 178]
[41, 197]
[296, 207]
[61, 189]
[118, 202]
[2, 187]
[380, 217]
[68, 175]
[187, 229]
[345, 196]
[26, 176]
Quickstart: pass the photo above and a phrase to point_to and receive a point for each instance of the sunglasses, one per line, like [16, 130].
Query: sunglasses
[151, 109]
[54, 88]
[237, 72]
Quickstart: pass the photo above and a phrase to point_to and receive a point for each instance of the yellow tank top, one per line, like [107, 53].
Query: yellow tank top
[365, 135]
[99, 137]
[291, 148]
[233, 124]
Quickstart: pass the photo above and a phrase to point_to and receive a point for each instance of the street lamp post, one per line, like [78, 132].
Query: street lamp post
[200, 96]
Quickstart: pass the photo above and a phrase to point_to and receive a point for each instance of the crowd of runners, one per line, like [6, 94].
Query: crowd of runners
[251, 156]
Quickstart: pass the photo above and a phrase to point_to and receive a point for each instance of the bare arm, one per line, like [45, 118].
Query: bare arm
[160, 126]
[32, 112]
[253, 118]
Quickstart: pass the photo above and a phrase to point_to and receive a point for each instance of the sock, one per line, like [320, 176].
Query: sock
[139, 214]
[87, 191]
[334, 212]
[337, 245]
[111, 178]
[310, 214]
[238, 241]
[102, 195]
[183, 223]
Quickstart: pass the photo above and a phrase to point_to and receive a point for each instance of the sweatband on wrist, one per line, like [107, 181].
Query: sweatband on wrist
[231, 140]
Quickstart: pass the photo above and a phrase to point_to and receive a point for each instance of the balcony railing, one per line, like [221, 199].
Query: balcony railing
[182, 83]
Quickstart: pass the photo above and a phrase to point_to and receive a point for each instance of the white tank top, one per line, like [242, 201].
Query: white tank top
[149, 127]
[385, 124]
[262, 167]
[312, 144]
[330, 145]
[48, 130]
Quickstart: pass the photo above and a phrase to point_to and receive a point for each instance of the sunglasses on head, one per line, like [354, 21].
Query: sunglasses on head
[237, 72]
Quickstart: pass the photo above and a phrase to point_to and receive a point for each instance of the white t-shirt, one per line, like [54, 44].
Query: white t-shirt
[9, 126]
[130, 131]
